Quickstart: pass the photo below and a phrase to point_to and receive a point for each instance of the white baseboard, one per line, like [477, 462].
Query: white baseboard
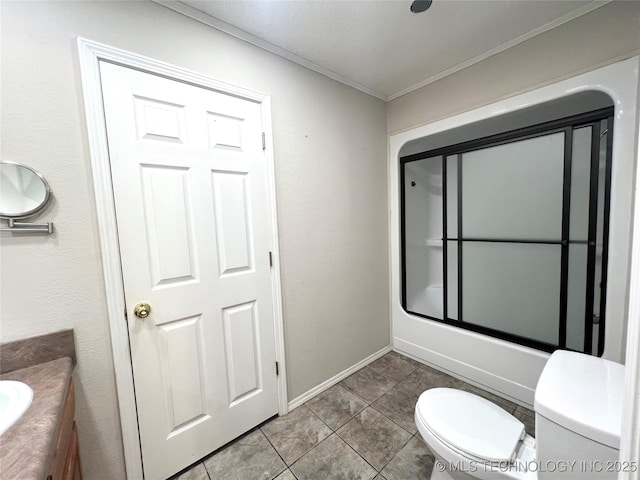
[318, 389]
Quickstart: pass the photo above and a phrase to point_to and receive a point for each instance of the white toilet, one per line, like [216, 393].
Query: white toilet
[578, 411]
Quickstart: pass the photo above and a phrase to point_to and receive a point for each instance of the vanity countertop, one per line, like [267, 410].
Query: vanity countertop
[27, 447]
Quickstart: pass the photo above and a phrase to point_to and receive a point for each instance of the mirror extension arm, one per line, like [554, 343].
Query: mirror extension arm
[26, 227]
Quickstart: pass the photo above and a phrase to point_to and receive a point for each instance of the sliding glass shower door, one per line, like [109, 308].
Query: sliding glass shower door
[507, 235]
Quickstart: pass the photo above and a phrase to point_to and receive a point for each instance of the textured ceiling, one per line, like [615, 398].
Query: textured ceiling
[380, 46]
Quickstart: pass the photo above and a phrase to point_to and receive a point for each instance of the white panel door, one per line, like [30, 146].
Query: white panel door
[189, 180]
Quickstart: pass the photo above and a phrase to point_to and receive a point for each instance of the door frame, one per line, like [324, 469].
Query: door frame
[90, 55]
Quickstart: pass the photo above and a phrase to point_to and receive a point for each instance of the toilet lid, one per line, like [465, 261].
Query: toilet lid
[470, 423]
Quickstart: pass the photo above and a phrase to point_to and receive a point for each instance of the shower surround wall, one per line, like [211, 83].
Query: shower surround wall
[423, 226]
[504, 367]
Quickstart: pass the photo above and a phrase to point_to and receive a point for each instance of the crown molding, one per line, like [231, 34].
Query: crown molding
[501, 48]
[211, 21]
[205, 18]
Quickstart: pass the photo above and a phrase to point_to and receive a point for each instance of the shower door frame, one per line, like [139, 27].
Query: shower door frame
[565, 125]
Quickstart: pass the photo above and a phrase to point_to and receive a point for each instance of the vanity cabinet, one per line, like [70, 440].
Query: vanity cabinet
[65, 458]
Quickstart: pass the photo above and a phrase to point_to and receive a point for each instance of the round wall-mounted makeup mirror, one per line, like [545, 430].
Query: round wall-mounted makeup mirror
[23, 191]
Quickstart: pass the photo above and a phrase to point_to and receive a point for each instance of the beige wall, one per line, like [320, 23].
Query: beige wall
[330, 149]
[330, 145]
[607, 34]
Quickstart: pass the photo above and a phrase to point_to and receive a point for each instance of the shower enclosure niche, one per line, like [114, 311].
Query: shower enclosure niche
[506, 234]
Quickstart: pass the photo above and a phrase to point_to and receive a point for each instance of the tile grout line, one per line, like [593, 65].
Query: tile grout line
[386, 416]
[314, 446]
[206, 470]
[397, 385]
[290, 471]
[411, 435]
[317, 416]
[370, 404]
[335, 431]
[275, 450]
[405, 376]
[356, 452]
[343, 441]
[392, 421]
[235, 441]
[498, 400]
[377, 373]
[354, 393]
[417, 369]
[396, 454]
[342, 424]
[367, 404]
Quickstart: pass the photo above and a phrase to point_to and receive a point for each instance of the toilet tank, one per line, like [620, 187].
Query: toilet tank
[578, 408]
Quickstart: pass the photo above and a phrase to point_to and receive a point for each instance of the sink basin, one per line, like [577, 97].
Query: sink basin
[15, 398]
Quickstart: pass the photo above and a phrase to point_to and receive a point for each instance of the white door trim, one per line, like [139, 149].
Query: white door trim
[90, 54]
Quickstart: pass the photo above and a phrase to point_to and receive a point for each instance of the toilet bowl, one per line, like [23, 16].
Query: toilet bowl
[578, 410]
[472, 438]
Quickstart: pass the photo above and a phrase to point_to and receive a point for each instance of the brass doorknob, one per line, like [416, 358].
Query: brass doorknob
[142, 310]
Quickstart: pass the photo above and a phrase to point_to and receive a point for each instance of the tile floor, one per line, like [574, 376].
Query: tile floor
[361, 428]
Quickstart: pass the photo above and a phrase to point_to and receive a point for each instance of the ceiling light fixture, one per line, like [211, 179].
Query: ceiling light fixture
[419, 6]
